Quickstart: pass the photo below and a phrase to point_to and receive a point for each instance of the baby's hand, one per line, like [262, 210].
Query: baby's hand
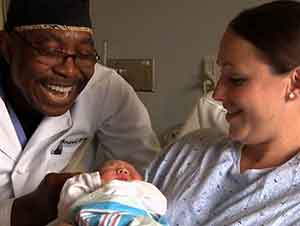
[120, 170]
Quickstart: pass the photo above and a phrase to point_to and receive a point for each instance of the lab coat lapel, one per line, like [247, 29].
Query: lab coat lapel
[49, 129]
[49, 133]
[9, 142]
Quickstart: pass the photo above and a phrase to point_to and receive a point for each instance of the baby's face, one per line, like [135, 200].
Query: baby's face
[119, 170]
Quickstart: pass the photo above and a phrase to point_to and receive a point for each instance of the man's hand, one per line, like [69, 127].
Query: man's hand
[39, 207]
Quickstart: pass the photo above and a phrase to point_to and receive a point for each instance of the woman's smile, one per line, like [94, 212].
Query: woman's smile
[231, 115]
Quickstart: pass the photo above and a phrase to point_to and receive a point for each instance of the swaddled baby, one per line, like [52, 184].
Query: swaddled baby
[113, 195]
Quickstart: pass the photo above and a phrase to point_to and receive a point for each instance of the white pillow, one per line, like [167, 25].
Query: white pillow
[208, 113]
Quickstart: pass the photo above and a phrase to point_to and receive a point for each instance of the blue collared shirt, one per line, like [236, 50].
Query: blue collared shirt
[13, 116]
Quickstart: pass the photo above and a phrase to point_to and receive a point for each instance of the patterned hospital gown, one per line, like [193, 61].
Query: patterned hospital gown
[200, 177]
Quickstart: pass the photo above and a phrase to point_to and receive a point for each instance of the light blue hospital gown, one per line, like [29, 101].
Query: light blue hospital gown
[200, 177]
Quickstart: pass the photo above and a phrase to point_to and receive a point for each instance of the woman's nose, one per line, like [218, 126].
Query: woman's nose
[219, 92]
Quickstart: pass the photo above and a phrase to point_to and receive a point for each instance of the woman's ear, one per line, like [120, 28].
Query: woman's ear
[294, 90]
[5, 46]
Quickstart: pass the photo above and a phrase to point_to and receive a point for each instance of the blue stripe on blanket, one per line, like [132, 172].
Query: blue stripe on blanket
[109, 207]
[110, 220]
[110, 213]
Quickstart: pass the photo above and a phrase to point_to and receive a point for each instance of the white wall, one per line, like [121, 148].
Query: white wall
[177, 33]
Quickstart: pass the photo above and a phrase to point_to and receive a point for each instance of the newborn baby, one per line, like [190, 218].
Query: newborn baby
[113, 195]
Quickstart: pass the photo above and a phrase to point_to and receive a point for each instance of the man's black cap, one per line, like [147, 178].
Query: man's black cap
[35, 13]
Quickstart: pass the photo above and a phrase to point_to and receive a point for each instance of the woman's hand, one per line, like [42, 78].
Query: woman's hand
[39, 207]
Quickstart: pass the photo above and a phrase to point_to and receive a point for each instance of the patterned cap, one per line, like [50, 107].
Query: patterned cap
[44, 14]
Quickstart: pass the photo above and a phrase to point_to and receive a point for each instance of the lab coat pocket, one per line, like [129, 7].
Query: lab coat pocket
[62, 154]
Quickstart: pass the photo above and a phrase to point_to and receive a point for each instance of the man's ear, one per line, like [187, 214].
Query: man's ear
[5, 46]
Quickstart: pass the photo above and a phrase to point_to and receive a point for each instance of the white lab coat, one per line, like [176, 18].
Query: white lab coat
[107, 109]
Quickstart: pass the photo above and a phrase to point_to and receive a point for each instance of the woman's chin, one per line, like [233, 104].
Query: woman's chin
[236, 133]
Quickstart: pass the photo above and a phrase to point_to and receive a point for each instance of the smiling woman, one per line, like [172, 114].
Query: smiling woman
[251, 175]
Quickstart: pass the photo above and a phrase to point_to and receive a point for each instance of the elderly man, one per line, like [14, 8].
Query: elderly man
[53, 98]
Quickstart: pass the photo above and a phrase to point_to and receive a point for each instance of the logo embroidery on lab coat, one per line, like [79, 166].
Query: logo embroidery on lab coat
[59, 148]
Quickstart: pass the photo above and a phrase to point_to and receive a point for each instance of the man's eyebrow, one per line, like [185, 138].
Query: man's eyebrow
[88, 40]
[54, 37]
[39, 37]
